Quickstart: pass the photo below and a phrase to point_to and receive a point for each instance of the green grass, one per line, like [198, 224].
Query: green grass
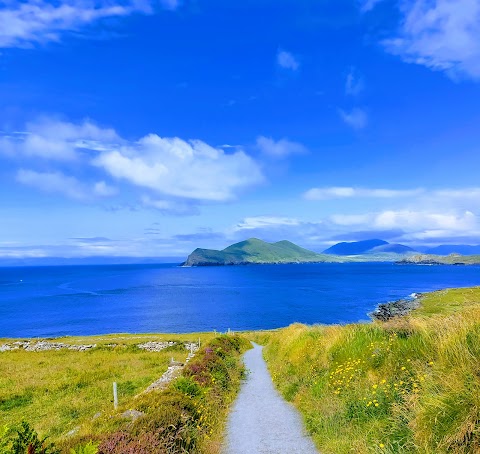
[58, 391]
[410, 385]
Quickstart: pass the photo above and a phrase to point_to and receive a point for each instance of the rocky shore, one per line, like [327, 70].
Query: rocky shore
[400, 308]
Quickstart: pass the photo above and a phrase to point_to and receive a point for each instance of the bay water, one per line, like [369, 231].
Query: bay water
[81, 300]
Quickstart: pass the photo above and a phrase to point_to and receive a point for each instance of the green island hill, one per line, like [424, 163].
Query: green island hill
[399, 384]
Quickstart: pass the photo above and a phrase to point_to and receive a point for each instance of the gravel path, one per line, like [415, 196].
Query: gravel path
[262, 421]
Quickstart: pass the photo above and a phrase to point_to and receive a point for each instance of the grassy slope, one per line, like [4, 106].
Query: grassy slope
[410, 385]
[258, 251]
[57, 391]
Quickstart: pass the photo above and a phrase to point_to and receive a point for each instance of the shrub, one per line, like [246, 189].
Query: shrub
[26, 441]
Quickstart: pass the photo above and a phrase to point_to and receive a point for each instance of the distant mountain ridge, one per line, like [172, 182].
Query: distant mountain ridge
[255, 251]
[373, 246]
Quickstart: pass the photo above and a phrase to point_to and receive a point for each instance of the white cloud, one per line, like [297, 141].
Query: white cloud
[350, 192]
[171, 168]
[443, 35]
[56, 140]
[287, 60]
[415, 222]
[414, 219]
[354, 84]
[355, 118]
[174, 167]
[280, 148]
[23, 23]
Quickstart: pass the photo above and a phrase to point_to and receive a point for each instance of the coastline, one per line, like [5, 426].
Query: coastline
[399, 308]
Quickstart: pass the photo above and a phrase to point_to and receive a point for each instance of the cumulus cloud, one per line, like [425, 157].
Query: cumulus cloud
[350, 192]
[280, 148]
[443, 35]
[287, 60]
[178, 168]
[356, 118]
[178, 174]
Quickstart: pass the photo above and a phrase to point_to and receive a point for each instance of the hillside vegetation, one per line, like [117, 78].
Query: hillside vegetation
[409, 385]
[256, 251]
[452, 259]
[60, 391]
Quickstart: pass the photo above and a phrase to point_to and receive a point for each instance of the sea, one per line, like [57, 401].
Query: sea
[53, 301]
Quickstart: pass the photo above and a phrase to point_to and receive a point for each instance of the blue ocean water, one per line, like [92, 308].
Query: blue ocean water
[78, 300]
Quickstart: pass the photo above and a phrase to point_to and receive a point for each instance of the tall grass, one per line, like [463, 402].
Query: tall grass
[410, 385]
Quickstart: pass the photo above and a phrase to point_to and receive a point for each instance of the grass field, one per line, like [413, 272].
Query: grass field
[410, 385]
[58, 391]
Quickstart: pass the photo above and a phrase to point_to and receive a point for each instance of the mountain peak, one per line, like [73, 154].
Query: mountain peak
[354, 247]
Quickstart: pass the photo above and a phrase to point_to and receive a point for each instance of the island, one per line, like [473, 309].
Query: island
[255, 251]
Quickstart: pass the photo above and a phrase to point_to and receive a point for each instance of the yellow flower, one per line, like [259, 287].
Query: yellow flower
[381, 445]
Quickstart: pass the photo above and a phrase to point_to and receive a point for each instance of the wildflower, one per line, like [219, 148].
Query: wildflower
[381, 445]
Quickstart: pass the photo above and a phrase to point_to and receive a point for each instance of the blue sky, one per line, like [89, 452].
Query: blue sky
[148, 128]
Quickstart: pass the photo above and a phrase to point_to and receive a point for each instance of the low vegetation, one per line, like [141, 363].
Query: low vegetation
[255, 251]
[187, 416]
[430, 259]
[58, 391]
[409, 385]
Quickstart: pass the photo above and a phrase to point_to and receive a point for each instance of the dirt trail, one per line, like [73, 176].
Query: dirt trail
[261, 420]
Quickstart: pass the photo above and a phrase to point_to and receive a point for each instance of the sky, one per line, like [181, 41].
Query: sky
[151, 127]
